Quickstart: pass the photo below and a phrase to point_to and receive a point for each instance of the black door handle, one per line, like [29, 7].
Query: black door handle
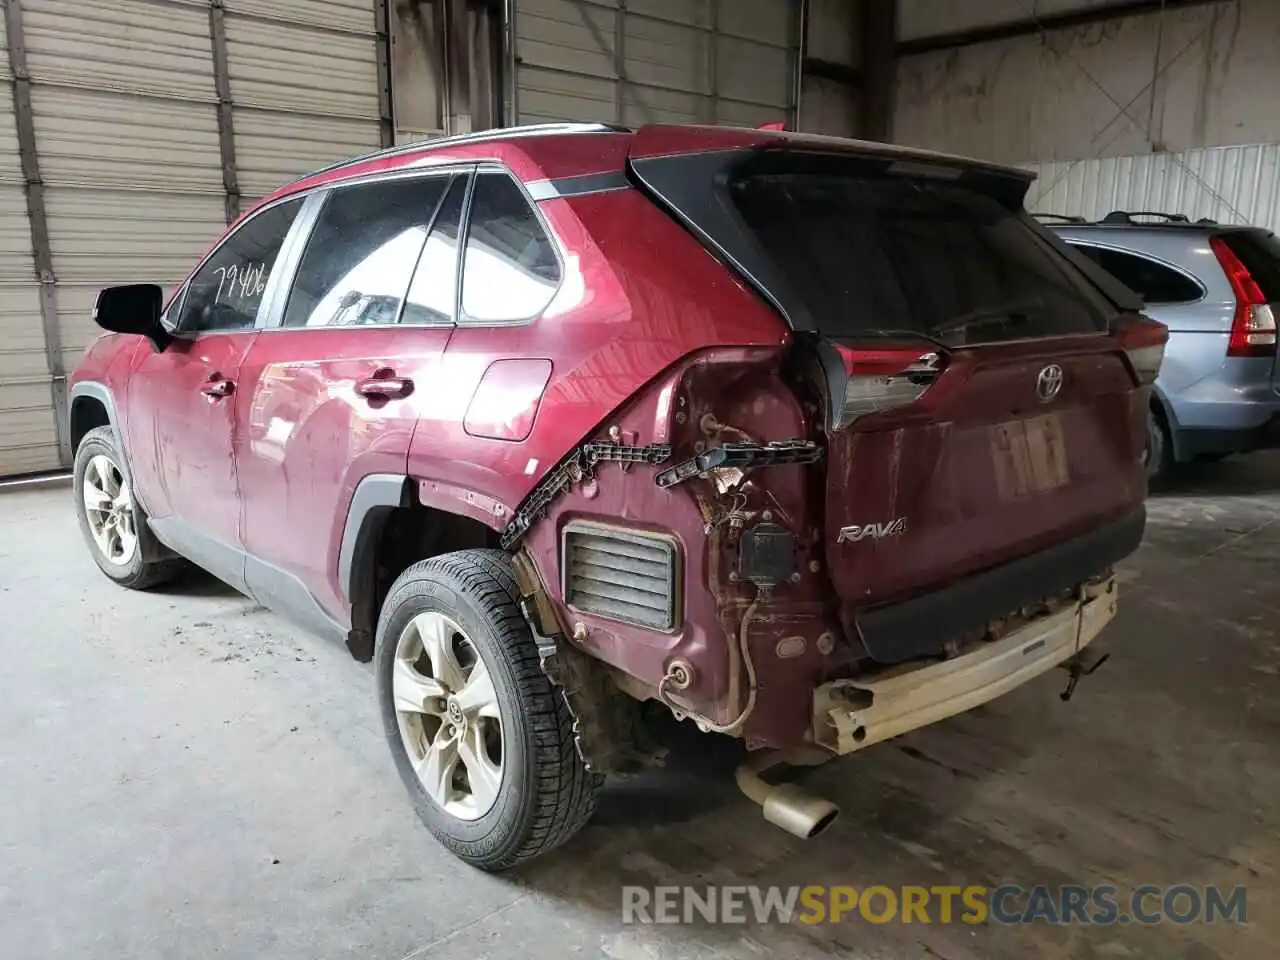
[385, 388]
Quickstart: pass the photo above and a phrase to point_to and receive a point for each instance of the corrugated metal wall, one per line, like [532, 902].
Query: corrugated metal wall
[304, 78]
[1228, 184]
[656, 61]
[126, 130]
[1166, 111]
[28, 438]
[136, 177]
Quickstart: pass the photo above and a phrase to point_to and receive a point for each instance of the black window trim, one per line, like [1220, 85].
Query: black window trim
[273, 322]
[465, 235]
[1158, 261]
[179, 299]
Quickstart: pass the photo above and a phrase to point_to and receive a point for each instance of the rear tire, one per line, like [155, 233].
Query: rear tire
[1159, 454]
[496, 776]
[113, 522]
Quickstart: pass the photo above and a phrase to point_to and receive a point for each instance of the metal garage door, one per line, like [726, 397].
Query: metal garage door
[28, 435]
[308, 82]
[153, 122]
[657, 61]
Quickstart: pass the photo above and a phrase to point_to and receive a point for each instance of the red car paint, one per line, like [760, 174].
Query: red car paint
[651, 338]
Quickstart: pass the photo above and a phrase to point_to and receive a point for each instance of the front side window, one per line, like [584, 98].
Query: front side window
[510, 270]
[227, 290]
[362, 252]
[1154, 282]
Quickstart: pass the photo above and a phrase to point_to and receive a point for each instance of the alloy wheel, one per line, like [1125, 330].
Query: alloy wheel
[448, 716]
[108, 505]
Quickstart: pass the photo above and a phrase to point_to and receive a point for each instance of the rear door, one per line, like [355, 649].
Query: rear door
[334, 386]
[980, 410]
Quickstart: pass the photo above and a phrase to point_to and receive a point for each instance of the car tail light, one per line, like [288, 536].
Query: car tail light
[1253, 329]
[1143, 341]
[883, 379]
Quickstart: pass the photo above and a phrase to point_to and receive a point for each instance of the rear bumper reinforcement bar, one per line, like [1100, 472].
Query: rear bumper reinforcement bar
[852, 714]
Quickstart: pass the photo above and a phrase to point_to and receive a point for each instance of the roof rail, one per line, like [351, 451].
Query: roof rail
[1060, 217]
[1127, 217]
[479, 136]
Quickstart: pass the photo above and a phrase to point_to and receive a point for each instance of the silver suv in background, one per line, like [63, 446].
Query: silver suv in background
[1213, 286]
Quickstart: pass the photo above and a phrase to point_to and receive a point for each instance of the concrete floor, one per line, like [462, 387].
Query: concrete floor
[184, 775]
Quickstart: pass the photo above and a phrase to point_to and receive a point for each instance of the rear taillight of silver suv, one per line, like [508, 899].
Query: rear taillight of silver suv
[1253, 329]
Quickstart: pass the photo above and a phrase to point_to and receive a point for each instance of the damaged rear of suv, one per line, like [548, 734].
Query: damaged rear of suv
[910, 504]
[810, 442]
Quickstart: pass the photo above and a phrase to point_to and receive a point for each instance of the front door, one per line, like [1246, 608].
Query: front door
[332, 387]
[180, 400]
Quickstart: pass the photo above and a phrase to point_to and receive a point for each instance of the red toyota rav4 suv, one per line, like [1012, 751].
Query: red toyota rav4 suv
[808, 441]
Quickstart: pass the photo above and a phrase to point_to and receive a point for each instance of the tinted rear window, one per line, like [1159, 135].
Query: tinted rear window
[873, 251]
[1260, 253]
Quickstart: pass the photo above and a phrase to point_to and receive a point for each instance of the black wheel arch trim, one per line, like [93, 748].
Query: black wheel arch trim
[375, 497]
[102, 393]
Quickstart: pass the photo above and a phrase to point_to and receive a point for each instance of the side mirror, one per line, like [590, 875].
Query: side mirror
[133, 308]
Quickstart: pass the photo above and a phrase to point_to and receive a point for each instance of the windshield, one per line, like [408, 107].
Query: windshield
[868, 250]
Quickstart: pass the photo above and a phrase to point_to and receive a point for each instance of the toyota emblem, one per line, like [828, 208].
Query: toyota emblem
[1049, 382]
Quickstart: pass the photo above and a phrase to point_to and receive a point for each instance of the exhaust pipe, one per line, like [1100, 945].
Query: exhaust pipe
[785, 805]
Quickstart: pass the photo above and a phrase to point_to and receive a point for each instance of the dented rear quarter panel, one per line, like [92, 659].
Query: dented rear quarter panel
[645, 319]
[638, 295]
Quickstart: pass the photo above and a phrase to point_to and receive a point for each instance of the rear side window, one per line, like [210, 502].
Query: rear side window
[1154, 282]
[433, 294]
[867, 251]
[510, 270]
[1260, 253]
[362, 252]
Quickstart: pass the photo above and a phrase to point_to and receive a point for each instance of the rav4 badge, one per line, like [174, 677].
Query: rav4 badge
[873, 531]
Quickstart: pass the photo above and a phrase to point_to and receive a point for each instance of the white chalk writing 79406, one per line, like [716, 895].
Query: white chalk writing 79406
[240, 282]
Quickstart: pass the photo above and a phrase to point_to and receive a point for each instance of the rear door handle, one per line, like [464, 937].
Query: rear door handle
[217, 387]
[385, 388]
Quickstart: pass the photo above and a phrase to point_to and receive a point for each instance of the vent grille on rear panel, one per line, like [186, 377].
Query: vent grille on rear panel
[622, 574]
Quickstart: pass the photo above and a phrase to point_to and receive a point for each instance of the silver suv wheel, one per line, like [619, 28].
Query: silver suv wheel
[449, 719]
[482, 740]
[112, 520]
[109, 510]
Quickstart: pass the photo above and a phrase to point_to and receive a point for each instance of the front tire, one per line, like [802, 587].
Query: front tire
[113, 523]
[482, 740]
